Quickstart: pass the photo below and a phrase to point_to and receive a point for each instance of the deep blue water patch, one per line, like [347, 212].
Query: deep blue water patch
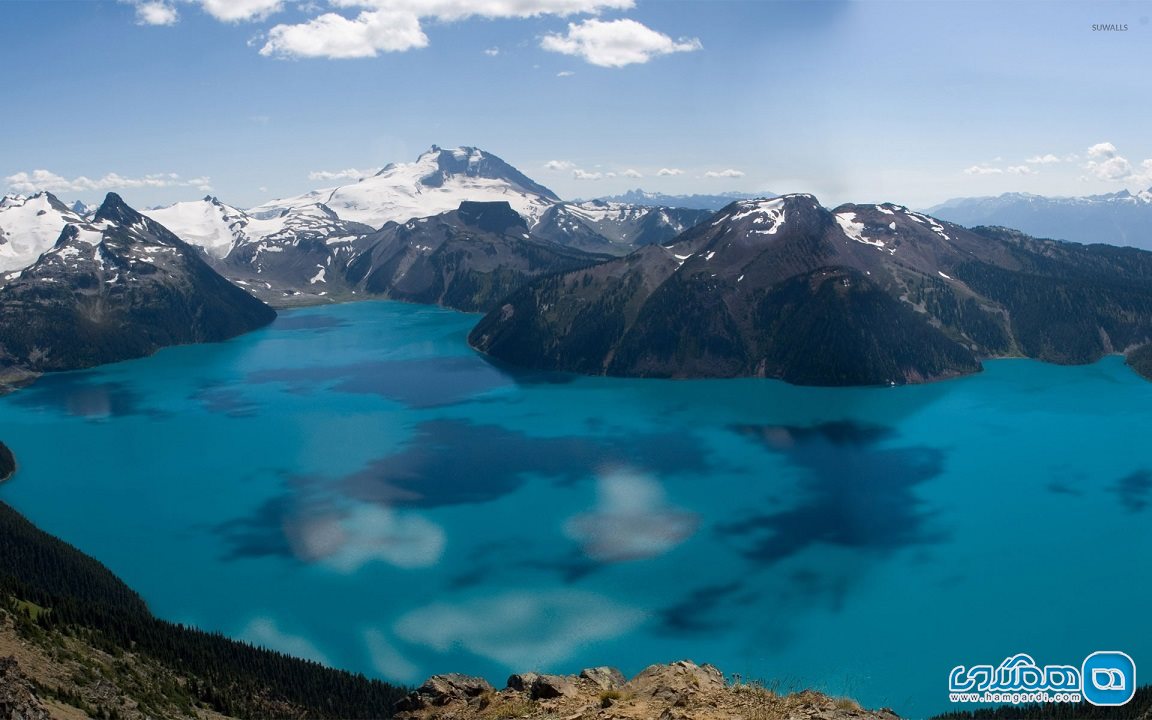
[1134, 490]
[855, 494]
[318, 323]
[85, 395]
[454, 462]
[420, 383]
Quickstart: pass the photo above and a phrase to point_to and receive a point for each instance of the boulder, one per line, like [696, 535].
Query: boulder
[440, 690]
[671, 682]
[605, 678]
[522, 682]
[17, 701]
[546, 687]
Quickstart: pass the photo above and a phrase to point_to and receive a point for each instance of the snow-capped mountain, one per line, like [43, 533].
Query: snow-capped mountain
[301, 252]
[695, 202]
[1120, 218]
[437, 182]
[605, 226]
[114, 287]
[207, 223]
[29, 226]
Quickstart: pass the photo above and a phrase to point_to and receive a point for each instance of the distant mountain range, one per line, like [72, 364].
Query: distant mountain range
[776, 287]
[857, 295]
[1119, 218]
[696, 202]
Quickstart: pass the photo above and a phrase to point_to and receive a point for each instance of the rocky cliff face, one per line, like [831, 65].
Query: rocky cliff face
[679, 691]
[118, 287]
[468, 259]
[17, 700]
[856, 295]
[7, 463]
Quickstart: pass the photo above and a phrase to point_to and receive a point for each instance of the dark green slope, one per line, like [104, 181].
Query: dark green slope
[231, 677]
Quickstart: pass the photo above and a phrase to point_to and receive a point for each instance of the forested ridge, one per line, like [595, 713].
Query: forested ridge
[84, 599]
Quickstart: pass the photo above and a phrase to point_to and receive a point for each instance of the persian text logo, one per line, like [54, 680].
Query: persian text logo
[1104, 678]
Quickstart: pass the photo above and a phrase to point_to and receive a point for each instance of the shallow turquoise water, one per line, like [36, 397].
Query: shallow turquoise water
[354, 485]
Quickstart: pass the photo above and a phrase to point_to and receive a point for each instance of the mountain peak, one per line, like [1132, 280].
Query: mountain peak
[495, 217]
[116, 210]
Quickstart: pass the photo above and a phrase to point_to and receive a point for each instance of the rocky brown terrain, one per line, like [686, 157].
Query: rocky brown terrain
[681, 690]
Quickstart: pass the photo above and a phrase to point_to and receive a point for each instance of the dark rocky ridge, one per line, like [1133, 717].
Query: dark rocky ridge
[468, 259]
[1140, 360]
[7, 463]
[119, 287]
[858, 295]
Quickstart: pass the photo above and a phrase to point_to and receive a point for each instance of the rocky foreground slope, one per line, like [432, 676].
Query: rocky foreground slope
[679, 691]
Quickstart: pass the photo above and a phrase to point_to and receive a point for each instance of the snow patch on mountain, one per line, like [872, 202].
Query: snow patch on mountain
[207, 223]
[437, 182]
[30, 226]
[855, 230]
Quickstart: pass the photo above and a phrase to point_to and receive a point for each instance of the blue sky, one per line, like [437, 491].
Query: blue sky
[911, 102]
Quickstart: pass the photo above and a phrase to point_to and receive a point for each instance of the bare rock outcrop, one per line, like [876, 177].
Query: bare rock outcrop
[681, 690]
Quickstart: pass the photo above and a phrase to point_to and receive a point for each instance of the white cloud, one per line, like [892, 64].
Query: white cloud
[615, 43]
[559, 165]
[346, 174]
[1114, 169]
[156, 13]
[37, 180]
[584, 175]
[630, 173]
[163, 12]
[335, 36]
[1021, 170]
[1106, 164]
[1047, 159]
[669, 172]
[729, 173]
[520, 629]
[265, 633]
[565, 73]
[983, 170]
[347, 541]
[632, 520]
[240, 10]
[395, 25]
[387, 660]
[1102, 151]
[450, 10]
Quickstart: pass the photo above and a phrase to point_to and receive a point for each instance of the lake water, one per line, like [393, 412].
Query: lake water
[354, 485]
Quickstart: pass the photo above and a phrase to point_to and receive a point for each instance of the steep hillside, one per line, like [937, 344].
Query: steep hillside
[861, 294]
[118, 287]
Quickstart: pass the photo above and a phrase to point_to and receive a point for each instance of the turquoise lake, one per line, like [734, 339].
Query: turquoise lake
[354, 485]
